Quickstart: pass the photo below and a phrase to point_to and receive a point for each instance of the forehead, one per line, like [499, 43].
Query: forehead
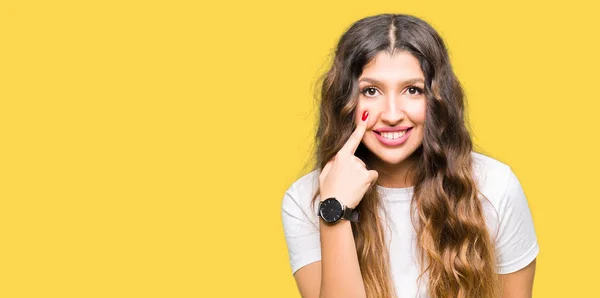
[399, 67]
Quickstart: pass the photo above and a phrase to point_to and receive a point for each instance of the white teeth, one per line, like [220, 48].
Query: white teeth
[392, 135]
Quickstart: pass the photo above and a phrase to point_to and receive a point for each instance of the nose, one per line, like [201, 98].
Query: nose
[393, 111]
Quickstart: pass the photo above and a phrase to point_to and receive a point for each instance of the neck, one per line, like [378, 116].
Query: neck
[393, 175]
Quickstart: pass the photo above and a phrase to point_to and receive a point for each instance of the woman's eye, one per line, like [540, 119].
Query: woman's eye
[414, 90]
[369, 91]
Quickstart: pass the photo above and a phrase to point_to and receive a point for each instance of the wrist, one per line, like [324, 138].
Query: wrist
[332, 210]
[339, 198]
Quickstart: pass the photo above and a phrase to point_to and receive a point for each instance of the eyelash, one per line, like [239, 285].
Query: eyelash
[364, 90]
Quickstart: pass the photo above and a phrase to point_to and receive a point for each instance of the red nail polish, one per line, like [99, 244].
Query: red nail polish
[365, 115]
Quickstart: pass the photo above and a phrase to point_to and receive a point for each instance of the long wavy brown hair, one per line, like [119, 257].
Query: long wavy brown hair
[456, 251]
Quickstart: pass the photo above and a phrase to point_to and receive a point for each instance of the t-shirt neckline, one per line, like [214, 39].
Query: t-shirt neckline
[396, 193]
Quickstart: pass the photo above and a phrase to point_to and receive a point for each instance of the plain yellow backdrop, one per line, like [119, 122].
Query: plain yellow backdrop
[146, 145]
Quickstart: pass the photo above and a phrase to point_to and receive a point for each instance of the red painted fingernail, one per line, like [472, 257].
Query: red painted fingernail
[365, 115]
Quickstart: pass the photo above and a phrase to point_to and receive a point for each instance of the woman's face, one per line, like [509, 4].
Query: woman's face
[391, 89]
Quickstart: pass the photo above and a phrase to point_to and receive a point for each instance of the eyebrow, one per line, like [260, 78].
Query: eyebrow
[407, 82]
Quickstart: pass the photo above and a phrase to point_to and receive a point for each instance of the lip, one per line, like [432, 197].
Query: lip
[392, 129]
[396, 142]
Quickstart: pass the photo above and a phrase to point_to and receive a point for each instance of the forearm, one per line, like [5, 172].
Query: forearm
[340, 271]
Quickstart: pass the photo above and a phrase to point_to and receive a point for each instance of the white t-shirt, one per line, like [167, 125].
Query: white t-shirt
[508, 218]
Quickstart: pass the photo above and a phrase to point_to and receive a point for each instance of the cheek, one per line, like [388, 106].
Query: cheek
[417, 112]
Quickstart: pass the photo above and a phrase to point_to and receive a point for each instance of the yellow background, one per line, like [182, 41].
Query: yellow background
[146, 145]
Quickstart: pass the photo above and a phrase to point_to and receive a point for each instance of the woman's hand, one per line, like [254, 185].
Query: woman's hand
[346, 177]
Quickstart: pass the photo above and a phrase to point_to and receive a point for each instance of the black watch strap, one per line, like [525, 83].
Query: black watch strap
[351, 214]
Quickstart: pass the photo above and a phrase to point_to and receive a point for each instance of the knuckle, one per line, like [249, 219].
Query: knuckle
[367, 175]
[359, 161]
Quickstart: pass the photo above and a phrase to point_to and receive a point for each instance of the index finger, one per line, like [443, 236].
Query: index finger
[352, 143]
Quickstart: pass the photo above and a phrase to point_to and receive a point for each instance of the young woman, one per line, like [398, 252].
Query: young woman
[398, 204]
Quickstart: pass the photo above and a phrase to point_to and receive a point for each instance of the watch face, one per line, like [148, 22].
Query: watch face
[331, 210]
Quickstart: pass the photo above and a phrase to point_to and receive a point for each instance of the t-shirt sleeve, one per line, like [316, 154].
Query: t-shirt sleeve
[516, 242]
[300, 227]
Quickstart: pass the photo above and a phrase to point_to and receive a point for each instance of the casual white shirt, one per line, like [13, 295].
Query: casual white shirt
[506, 213]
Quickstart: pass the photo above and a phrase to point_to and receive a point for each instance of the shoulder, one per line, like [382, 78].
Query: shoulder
[492, 175]
[494, 178]
[507, 214]
[298, 197]
[489, 170]
[308, 182]
[304, 187]
[500, 187]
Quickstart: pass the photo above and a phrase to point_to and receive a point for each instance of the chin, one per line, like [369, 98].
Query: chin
[391, 158]
[391, 155]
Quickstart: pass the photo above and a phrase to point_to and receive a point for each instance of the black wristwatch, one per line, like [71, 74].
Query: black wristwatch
[331, 211]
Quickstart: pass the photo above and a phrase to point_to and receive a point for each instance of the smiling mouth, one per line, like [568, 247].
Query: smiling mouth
[392, 135]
